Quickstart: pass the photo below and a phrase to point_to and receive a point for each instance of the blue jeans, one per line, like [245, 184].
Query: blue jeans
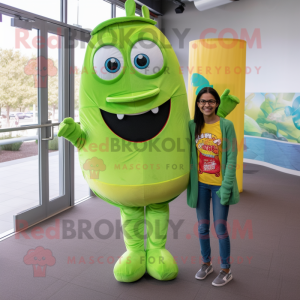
[220, 213]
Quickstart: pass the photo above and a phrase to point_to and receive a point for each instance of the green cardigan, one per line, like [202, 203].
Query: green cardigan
[229, 155]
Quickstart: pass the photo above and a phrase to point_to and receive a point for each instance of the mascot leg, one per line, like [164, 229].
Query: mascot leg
[132, 264]
[160, 262]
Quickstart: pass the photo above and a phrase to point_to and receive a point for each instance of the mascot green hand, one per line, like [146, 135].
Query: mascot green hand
[72, 132]
[228, 103]
[133, 135]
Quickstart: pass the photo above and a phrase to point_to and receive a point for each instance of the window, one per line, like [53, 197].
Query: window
[49, 9]
[88, 13]
[120, 12]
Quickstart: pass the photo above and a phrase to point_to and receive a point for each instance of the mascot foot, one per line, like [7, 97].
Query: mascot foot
[161, 264]
[131, 266]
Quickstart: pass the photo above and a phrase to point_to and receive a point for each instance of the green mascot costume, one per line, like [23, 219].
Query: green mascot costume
[133, 137]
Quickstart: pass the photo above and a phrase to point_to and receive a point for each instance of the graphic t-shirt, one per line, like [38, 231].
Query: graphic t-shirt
[209, 150]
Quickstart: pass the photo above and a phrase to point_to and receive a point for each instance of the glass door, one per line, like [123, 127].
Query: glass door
[78, 41]
[19, 148]
[34, 99]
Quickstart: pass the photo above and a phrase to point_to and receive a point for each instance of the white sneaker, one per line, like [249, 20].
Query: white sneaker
[223, 278]
[204, 271]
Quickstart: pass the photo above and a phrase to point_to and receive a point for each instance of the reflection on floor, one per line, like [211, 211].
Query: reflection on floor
[19, 186]
[264, 231]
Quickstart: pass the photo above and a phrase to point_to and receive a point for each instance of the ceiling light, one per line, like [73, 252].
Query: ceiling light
[207, 4]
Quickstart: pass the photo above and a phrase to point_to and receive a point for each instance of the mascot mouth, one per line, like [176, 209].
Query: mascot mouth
[139, 127]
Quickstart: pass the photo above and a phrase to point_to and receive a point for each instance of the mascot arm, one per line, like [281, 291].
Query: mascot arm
[228, 104]
[71, 131]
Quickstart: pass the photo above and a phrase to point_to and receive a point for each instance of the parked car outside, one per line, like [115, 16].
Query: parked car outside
[29, 114]
[20, 115]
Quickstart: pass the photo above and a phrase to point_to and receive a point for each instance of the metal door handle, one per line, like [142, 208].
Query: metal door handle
[51, 136]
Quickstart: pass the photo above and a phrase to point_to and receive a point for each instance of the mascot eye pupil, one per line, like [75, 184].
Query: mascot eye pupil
[141, 61]
[112, 65]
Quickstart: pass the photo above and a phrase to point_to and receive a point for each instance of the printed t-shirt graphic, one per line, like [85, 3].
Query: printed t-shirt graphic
[209, 151]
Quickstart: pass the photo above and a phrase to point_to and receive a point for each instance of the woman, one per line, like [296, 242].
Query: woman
[213, 175]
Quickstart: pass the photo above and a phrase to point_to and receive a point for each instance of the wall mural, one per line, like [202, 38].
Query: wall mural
[272, 120]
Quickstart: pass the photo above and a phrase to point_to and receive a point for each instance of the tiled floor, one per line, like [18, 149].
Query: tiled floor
[19, 186]
[264, 232]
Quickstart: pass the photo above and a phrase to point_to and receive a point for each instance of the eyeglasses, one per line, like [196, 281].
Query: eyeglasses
[210, 102]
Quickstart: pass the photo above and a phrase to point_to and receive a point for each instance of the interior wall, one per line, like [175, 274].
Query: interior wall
[272, 101]
[274, 63]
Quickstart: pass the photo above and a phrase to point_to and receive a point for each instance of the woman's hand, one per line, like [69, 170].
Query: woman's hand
[224, 194]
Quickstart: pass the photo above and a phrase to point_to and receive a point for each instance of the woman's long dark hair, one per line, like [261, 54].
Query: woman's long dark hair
[198, 117]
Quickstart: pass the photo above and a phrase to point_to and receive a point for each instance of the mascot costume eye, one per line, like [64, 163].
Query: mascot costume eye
[133, 137]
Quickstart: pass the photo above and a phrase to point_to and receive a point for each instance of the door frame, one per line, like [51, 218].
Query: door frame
[47, 207]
